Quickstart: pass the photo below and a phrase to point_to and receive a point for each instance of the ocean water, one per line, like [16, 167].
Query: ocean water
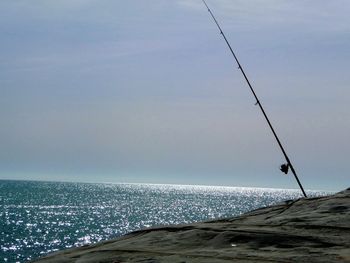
[37, 218]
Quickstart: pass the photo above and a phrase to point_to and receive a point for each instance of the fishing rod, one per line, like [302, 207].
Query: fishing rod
[284, 167]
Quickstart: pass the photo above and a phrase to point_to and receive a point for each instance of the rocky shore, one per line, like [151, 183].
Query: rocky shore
[303, 230]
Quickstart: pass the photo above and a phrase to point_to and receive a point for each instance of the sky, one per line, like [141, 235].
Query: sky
[147, 92]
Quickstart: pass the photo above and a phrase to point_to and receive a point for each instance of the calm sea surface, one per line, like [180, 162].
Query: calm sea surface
[37, 218]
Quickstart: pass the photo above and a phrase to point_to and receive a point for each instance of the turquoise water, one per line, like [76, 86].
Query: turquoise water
[41, 217]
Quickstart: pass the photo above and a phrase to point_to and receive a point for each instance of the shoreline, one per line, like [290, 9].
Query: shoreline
[302, 230]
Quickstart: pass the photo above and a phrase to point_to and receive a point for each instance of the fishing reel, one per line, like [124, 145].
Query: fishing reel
[284, 168]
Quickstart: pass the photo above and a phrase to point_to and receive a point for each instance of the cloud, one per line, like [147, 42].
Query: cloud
[304, 15]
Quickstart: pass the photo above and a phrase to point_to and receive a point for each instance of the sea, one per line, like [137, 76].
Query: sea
[37, 218]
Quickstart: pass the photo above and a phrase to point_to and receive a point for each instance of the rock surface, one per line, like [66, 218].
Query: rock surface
[303, 230]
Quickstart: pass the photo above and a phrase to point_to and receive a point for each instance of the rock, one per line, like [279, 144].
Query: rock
[304, 230]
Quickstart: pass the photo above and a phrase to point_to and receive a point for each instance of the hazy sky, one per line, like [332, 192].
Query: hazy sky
[147, 91]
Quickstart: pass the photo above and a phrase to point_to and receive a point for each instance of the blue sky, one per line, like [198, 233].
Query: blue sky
[146, 91]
